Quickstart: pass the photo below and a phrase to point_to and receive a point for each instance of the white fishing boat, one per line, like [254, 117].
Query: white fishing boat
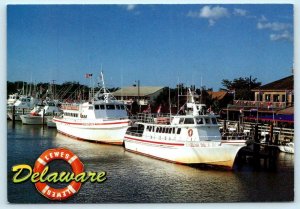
[103, 119]
[193, 138]
[41, 113]
[288, 148]
[22, 106]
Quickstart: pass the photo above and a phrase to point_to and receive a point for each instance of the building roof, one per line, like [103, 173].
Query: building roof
[286, 83]
[133, 91]
[219, 95]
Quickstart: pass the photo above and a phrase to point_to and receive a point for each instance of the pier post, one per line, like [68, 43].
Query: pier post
[271, 134]
[256, 147]
[23, 111]
[43, 118]
[13, 114]
[224, 126]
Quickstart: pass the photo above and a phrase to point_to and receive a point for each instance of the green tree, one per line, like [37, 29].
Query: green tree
[242, 87]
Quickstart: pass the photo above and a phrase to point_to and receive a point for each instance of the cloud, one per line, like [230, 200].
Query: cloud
[210, 13]
[240, 12]
[275, 26]
[285, 35]
[213, 13]
[262, 18]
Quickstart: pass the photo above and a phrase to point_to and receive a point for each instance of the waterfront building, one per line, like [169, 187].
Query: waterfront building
[142, 94]
[274, 102]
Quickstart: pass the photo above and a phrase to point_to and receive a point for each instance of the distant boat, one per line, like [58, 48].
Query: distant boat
[12, 98]
[288, 148]
[23, 105]
[193, 138]
[41, 113]
[103, 119]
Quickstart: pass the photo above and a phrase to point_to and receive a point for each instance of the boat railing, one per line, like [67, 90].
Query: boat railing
[71, 106]
[151, 118]
[175, 137]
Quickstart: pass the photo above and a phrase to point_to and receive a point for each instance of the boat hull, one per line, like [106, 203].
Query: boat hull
[206, 152]
[34, 120]
[103, 132]
[286, 148]
[18, 113]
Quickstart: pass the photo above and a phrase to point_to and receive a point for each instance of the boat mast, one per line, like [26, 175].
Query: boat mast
[102, 79]
[170, 102]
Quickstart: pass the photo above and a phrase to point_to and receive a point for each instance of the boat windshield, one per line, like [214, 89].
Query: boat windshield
[199, 120]
[214, 121]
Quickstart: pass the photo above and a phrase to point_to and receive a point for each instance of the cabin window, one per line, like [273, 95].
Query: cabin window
[178, 130]
[90, 107]
[173, 130]
[157, 129]
[102, 107]
[96, 107]
[110, 107]
[181, 120]
[164, 130]
[122, 107]
[117, 107]
[189, 121]
[170, 130]
[199, 120]
[214, 121]
[207, 121]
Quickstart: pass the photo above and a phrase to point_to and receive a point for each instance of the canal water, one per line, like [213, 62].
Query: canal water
[132, 178]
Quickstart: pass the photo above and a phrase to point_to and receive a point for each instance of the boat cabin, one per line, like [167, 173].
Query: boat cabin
[96, 110]
[198, 120]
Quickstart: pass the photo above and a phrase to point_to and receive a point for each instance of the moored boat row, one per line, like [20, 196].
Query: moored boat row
[191, 138]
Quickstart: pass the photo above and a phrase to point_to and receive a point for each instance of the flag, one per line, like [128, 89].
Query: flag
[148, 110]
[88, 75]
[182, 108]
[209, 110]
[231, 91]
[159, 109]
[270, 105]
[241, 110]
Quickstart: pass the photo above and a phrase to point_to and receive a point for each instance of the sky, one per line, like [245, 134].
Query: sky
[159, 45]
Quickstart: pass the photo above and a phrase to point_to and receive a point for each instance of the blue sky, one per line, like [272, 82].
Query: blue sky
[156, 44]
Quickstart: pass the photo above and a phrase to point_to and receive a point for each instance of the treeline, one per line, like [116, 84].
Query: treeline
[238, 88]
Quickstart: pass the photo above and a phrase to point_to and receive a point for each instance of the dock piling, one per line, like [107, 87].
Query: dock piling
[43, 118]
[13, 114]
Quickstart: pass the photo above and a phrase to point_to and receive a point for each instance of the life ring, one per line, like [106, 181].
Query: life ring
[58, 154]
[190, 132]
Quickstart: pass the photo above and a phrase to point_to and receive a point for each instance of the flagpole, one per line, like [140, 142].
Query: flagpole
[257, 114]
[170, 101]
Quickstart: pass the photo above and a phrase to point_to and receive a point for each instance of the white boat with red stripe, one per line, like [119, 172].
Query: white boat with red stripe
[103, 119]
[193, 138]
